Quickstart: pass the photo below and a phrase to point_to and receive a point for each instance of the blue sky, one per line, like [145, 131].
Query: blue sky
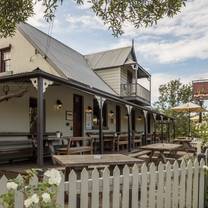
[175, 48]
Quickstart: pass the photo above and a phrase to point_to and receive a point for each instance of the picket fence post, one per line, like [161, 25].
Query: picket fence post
[3, 189]
[201, 184]
[106, 188]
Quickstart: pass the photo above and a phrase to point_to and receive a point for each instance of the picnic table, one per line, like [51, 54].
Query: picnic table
[186, 143]
[81, 161]
[161, 148]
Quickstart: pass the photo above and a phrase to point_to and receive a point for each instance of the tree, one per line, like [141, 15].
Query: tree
[114, 13]
[173, 94]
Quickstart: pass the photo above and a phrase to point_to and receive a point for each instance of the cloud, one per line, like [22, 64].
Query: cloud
[173, 40]
[85, 22]
[37, 20]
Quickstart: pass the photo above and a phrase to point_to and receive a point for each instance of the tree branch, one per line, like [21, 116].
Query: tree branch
[13, 95]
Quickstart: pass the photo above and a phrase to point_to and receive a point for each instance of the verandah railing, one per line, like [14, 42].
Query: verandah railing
[132, 89]
[164, 186]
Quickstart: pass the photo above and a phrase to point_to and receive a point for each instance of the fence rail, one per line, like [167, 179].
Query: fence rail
[163, 186]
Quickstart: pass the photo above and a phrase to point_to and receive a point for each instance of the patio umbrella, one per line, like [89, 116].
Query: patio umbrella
[189, 108]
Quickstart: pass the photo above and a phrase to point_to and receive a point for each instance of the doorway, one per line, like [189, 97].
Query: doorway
[77, 115]
[118, 118]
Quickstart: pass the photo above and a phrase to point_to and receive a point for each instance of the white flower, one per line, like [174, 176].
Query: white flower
[54, 177]
[46, 197]
[205, 167]
[12, 186]
[28, 202]
[35, 199]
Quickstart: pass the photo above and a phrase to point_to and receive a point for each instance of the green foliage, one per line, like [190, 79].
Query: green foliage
[173, 94]
[113, 13]
[13, 12]
[40, 195]
[200, 130]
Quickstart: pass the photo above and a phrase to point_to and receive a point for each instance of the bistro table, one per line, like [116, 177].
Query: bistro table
[81, 161]
[161, 148]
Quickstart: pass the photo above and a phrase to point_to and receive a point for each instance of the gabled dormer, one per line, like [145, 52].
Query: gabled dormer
[120, 70]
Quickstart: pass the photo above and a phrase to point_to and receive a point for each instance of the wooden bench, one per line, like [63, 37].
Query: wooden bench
[16, 149]
[139, 153]
[77, 145]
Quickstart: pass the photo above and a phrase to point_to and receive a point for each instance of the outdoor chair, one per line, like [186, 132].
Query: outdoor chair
[137, 139]
[149, 139]
[121, 141]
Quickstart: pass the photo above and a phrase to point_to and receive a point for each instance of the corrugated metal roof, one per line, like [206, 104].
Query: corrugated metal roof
[68, 62]
[114, 58]
[108, 59]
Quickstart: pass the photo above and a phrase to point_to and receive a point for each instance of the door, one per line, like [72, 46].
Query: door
[77, 115]
[118, 118]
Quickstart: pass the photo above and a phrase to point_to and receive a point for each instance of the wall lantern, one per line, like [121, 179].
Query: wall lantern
[88, 109]
[111, 114]
[59, 104]
[139, 118]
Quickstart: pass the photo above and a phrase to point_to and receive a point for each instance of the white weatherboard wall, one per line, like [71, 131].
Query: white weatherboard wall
[111, 77]
[15, 112]
[56, 119]
[124, 119]
[14, 115]
[111, 122]
[139, 121]
[23, 57]
[123, 75]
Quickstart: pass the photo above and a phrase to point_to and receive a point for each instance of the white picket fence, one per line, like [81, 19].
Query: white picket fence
[165, 186]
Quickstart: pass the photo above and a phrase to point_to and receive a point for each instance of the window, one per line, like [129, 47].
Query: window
[5, 59]
[96, 115]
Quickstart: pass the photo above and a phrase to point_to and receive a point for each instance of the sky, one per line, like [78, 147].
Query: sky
[176, 48]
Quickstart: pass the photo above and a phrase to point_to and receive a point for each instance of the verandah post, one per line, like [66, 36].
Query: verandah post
[40, 122]
[101, 101]
[129, 108]
[145, 126]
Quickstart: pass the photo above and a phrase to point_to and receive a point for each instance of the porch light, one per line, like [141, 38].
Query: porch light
[111, 114]
[59, 104]
[89, 109]
[139, 118]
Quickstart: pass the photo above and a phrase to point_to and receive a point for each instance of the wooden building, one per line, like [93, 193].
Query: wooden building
[46, 87]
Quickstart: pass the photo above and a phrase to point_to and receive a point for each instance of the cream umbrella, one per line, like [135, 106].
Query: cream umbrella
[189, 108]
